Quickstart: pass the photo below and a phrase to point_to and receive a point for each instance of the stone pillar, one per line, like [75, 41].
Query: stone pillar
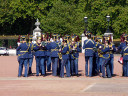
[82, 41]
[36, 31]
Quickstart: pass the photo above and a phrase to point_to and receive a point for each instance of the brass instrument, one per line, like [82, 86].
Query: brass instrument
[60, 55]
[110, 46]
[73, 48]
[100, 53]
[60, 49]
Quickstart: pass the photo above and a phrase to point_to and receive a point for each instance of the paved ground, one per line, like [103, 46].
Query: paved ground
[11, 85]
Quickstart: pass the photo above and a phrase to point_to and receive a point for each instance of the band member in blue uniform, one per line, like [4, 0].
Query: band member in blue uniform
[65, 58]
[125, 60]
[44, 44]
[23, 51]
[123, 42]
[100, 46]
[60, 55]
[54, 48]
[31, 55]
[19, 41]
[40, 57]
[48, 56]
[120, 47]
[112, 50]
[67, 38]
[95, 58]
[74, 55]
[106, 59]
[89, 53]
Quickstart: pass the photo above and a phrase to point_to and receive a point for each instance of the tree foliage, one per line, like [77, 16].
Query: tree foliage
[63, 16]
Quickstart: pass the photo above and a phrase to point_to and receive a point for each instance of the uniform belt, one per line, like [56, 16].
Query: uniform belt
[107, 52]
[67, 52]
[125, 54]
[23, 51]
[54, 50]
[41, 50]
[88, 48]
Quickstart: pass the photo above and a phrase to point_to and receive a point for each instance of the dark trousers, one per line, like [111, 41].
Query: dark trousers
[23, 61]
[90, 59]
[54, 65]
[30, 60]
[48, 63]
[105, 64]
[65, 63]
[125, 68]
[40, 65]
[111, 65]
[74, 66]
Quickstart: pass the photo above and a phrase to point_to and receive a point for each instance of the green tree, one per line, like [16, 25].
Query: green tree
[64, 18]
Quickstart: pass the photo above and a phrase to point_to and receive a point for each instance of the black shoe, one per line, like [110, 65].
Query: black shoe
[77, 75]
[87, 75]
[48, 70]
[104, 76]
[37, 75]
[44, 75]
[61, 77]
[68, 76]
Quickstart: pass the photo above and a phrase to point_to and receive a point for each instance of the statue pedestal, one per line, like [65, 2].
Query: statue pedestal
[36, 31]
[108, 34]
[82, 41]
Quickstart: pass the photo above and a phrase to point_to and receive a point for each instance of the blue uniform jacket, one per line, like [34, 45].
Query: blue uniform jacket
[65, 52]
[122, 44]
[39, 51]
[97, 46]
[88, 46]
[48, 53]
[75, 55]
[112, 51]
[106, 54]
[54, 49]
[23, 50]
[31, 51]
[125, 52]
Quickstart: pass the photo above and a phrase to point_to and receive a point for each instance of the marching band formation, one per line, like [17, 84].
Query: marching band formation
[55, 53]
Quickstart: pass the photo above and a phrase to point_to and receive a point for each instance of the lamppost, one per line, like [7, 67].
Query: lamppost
[108, 31]
[108, 20]
[84, 36]
[86, 21]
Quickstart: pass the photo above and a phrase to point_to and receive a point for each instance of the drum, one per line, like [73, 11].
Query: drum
[120, 60]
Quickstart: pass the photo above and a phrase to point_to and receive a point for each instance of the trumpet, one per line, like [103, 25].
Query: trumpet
[110, 46]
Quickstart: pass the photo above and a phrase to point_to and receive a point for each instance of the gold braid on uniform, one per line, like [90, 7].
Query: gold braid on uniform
[109, 53]
[88, 41]
[24, 51]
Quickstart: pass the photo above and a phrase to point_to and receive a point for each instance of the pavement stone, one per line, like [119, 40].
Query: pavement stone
[11, 85]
